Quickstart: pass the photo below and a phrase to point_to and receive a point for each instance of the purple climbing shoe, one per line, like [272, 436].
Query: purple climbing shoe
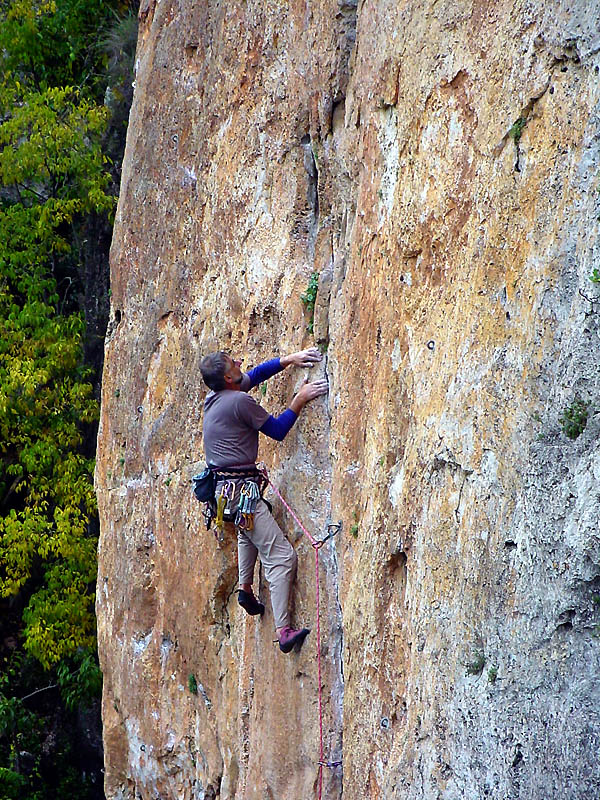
[290, 638]
[249, 603]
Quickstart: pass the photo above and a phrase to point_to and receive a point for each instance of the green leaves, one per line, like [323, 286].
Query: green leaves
[517, 128]
[310, 295]
[51, 161]
[57, 139]
[309, 298]
[46, 485]
[79, 681]
[12, 782]
[56, 122]
[51, 43]
[53, 175]
[574, 418]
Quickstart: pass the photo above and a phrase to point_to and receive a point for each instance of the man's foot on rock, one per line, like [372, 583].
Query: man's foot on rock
[290, 638]
[249, 603]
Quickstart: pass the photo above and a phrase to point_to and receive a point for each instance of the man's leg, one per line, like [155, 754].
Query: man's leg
[279, 560]
[247, 553]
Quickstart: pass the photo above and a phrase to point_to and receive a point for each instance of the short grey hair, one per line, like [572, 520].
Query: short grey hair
[213, 368]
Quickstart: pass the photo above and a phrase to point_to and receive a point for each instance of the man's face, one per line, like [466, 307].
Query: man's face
[233, 373]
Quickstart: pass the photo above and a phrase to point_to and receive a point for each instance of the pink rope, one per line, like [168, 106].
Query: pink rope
[317, 546]
[313, 541]
[319, 673]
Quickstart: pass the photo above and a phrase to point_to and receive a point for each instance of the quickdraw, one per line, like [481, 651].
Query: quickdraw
[224, 499]
[249, 497]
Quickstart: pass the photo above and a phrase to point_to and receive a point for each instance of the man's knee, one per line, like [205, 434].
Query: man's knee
[292, 560]
[287, 557]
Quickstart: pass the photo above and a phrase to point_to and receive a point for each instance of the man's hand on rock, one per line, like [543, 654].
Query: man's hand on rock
[307, 393]
[304, 358]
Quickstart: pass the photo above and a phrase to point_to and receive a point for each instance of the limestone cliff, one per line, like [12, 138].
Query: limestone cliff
[437, 164]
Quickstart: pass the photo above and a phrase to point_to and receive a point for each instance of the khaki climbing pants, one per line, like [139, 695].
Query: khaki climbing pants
[277, 556]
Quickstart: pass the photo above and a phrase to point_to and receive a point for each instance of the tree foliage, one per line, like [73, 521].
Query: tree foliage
[57, 146]
[52, 173]
[45, 483]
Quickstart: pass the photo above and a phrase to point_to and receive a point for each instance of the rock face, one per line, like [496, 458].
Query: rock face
[437, 164]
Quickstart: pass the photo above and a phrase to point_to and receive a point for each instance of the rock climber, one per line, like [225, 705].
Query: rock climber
[232, 422]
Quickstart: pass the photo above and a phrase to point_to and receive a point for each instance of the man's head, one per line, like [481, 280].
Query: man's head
[220, 371]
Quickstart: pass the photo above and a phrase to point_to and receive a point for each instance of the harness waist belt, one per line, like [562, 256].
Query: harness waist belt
[236, 472]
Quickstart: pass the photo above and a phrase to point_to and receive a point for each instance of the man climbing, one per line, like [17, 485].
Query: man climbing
[232, 421]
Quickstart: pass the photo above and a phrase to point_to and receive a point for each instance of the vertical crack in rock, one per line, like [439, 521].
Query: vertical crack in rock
[346, 17]
[335, 633]
[332, 654]
[312, 191]
[337, 694]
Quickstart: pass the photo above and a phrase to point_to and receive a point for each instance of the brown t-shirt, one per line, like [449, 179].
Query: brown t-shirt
[230, 430]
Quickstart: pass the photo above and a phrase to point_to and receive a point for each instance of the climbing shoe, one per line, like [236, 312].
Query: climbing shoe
[290, 638]
[249, 603]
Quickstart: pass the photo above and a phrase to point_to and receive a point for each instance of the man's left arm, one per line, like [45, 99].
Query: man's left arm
[303, 358]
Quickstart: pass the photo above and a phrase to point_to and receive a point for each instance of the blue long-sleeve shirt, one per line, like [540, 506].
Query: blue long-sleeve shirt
[278, 427]
[262, 373]
[275, 427]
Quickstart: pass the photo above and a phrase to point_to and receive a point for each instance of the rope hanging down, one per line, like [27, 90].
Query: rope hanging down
[316, 545]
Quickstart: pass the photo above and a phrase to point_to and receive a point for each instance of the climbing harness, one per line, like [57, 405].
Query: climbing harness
[223, 490]
[317, 544]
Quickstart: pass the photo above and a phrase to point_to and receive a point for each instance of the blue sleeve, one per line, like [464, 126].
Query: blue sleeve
[278, 427]
[263, 372]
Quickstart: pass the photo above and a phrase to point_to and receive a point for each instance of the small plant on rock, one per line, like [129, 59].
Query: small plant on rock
[574, 418]
[517, 130]
[309, 298]
[475, 667]
[193, 684]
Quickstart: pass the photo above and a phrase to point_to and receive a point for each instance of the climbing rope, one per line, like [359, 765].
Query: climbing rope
[316, 545]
